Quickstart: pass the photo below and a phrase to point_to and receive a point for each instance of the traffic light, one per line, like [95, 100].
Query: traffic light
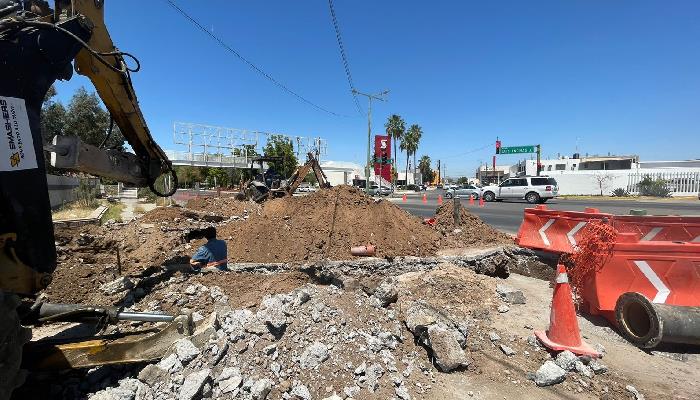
[498, 147]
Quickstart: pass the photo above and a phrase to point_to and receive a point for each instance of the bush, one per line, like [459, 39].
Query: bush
[654, 187]
[87, 194]
[620, 192]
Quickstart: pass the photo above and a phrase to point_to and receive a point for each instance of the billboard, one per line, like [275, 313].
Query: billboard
[382, 156]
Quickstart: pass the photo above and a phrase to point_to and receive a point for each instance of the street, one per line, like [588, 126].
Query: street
[508, 215]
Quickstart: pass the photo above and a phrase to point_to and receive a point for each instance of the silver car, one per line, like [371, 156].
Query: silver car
[534, 189]
[463, 191]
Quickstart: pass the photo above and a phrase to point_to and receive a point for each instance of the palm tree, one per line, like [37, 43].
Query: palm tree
[395, 128]
[410, 143]
[416, 140]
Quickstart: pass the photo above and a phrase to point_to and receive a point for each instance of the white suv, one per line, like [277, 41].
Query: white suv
[534, 189]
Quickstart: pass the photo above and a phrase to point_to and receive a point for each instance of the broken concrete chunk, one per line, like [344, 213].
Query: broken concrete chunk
[261, 389]
[228, 372]
[152, 374]
[493, 336]
[446, 349]
[230, 384]
[635, 392]
[566, 360]
[300, 392]
[597, 367]
[510, 295]
[402, 393]
[386, 292]
[507, 350]
[549, 374]
[314, 355]
[171, 364]
[372, 375]
[186, 350]
[583, 369]
[503, 308]
[193, 384]
[117, 286]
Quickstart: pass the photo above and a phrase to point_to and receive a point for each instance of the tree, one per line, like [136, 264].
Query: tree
[409, 143]
[426, 170]
[462, 180]
[88, 120]
[218, 177]
[281, 146]
[53, 117]
[602, 180]
[395, 128]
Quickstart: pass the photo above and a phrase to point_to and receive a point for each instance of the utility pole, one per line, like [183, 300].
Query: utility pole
[370, 97]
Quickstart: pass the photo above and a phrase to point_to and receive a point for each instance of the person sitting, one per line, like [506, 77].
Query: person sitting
[212, 255]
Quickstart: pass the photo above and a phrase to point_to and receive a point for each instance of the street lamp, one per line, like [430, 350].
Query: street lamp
[380, 97]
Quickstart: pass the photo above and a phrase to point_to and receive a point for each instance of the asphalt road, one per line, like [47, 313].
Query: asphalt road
[507, 215]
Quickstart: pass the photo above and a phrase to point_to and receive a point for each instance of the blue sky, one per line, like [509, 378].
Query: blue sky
[616, 76]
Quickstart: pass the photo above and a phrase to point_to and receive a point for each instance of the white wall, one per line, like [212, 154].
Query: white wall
[61, 189]
[585, 182]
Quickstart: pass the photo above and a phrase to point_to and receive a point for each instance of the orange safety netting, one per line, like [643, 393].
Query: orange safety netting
[594, 249]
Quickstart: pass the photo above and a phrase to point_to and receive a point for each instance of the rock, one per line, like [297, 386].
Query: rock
[446, 349]
[597, 367]
[116, 286]
[351, 391]
[114, 394]
[171, 364]
[360, 370]
[301, 296]
[635, 392]
[566, 360]
[186, 350]
[493, 336]
[372, 375]
[549, 374]
[261, 389]
[582, 369]
[191, 290]
[510, 295]
[152, 374]
[234, 322]
[507, 350]
[230, 384]
[314, 355]
[402, 393]
[386, 292]
[228, 372]
[218, 295]
[193, 384]
[333, 397]
[300, 392]
[503, 308]
[600, 349]
[418, 316]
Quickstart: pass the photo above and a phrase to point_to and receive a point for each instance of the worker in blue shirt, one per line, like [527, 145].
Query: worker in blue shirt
[211, 256]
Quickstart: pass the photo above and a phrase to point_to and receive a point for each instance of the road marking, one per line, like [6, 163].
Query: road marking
[662, 291]
[572, 232]
[650, 235]
[546, 226]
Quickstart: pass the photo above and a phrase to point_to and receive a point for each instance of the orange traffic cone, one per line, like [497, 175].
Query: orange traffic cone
[404, 198]
[563, 332]
[471, 200]
[439, 199]
[481, 202]
[425, 199]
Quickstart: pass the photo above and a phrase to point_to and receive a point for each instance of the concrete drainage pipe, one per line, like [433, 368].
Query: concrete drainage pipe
[647, 324]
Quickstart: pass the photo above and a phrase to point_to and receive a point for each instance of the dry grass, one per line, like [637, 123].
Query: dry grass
[72, 211]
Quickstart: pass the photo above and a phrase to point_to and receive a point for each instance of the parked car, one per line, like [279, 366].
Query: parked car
[415, 188]
[304, 187]
[374, 190]
[463, 191]
[534, 189]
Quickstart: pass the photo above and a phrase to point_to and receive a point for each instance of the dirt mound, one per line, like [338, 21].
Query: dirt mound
[472, 232]
[169, 214]
[325, 225]
[224, 206]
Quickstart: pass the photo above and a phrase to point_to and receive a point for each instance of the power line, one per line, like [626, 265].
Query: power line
[346, 64]
[470, 151]
[249, 63]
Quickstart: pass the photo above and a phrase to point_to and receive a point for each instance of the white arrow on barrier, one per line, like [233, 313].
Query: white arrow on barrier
[662, 291]
[546, 226]
[572, 232]
[650, 235]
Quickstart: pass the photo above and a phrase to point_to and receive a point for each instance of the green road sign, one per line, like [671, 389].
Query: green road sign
[518, 149]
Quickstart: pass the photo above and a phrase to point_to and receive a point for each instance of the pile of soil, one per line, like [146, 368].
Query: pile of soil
[325, 225]
[224, 206]
[472, 232]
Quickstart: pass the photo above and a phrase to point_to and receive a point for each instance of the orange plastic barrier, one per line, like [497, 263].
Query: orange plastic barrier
[557, 231]
[664, 272]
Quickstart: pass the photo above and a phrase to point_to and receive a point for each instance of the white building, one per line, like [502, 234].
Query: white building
[591, 175]
[342, 172]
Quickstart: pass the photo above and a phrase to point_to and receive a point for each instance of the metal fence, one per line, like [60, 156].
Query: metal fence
[679, 183]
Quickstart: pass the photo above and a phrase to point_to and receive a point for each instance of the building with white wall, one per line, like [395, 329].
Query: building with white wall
[596, 174]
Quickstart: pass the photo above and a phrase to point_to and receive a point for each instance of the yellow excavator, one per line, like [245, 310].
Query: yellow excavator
[38, 45]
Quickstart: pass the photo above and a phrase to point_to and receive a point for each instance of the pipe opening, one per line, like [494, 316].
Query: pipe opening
[636, 319]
